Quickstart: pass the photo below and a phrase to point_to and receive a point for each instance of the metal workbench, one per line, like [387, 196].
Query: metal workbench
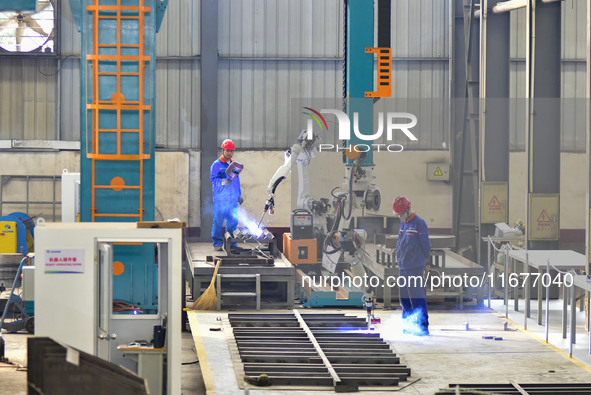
[450, 264]
[563, 260]
[199, 273]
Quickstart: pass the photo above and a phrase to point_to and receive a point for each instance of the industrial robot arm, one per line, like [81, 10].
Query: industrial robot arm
[284, 170]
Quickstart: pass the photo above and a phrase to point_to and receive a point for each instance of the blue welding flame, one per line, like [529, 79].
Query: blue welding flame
[412, 324]
[397, 328]
[250, 223]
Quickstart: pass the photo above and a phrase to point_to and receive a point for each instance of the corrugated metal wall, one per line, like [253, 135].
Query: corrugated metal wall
[572, 82]
[420, 70]
[178, 76]
[28, 99]
[271, 53]
[69, 76]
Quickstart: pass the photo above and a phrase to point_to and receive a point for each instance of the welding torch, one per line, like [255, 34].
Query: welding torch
[269, 206]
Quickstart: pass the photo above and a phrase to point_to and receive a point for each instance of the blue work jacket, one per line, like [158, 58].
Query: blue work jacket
[413, 246]
[224, 193]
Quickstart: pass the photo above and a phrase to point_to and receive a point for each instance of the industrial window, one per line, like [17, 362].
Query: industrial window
[27, 27]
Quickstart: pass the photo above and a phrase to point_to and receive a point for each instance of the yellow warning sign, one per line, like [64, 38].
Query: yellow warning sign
[543, 214]
[438, 172]
[493, 202]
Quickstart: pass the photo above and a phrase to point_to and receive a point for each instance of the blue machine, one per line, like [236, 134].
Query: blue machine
[117, 139]
[359, 70]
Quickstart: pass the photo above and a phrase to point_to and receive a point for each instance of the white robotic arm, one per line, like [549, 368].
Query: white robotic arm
[284, 170]
[290, 157]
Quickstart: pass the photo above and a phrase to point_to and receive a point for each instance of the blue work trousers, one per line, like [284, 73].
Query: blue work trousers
[223, 211]
[413, 296]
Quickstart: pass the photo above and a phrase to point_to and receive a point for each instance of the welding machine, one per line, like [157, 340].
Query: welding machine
[301, 225]
[300, 246]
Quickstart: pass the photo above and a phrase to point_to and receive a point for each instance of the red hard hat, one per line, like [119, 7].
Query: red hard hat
[228, 144]
[400, 205]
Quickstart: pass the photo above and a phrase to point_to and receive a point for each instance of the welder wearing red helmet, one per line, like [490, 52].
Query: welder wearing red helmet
[413, 251]
[227, 194]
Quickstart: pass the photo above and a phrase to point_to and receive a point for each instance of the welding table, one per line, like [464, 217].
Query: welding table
[451, 264]
[199, 273]
[563, 260]
[490, 241]
[386, 248]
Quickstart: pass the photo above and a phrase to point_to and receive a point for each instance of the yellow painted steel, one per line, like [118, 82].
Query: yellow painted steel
[8, 237]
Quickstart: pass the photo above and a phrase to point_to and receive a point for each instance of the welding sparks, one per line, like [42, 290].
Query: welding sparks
[250, 223]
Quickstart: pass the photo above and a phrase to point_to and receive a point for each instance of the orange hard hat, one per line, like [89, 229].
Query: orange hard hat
[400, 205]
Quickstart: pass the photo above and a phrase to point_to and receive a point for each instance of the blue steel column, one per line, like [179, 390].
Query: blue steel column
[110, 200]
[360, 35]
[544, 129]
[138, 284]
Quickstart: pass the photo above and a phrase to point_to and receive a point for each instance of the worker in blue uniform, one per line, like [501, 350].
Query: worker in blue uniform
[226, 195]
[413, 251]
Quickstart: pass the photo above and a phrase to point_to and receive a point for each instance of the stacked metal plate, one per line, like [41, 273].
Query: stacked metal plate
[334, 350]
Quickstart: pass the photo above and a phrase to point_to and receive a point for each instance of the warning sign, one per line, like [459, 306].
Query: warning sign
[494, 205]
[437, 172]
[543, 220]
[544, 216]
[494, 198]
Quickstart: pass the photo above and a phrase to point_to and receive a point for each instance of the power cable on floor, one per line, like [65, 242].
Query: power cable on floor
[193, 362]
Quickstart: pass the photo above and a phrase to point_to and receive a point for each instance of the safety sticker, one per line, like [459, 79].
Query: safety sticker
[543, 220]
[494, 205]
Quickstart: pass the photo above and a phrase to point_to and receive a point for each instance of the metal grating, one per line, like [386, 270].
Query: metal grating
[295, 349]
[519, 389]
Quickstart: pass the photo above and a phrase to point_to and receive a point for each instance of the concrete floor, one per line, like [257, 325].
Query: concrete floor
[449, 355]
[580, 353]
[13, 378]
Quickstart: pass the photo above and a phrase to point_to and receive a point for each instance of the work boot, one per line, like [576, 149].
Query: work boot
[218, 248]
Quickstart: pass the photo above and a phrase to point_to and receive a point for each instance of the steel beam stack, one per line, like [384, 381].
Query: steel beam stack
[295, 349]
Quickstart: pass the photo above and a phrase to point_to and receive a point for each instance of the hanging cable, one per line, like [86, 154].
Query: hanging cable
[351, 196]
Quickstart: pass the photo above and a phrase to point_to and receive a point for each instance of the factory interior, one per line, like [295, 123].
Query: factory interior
[295, 197]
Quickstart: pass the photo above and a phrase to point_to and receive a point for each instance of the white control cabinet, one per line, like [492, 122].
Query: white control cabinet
[74, 292]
